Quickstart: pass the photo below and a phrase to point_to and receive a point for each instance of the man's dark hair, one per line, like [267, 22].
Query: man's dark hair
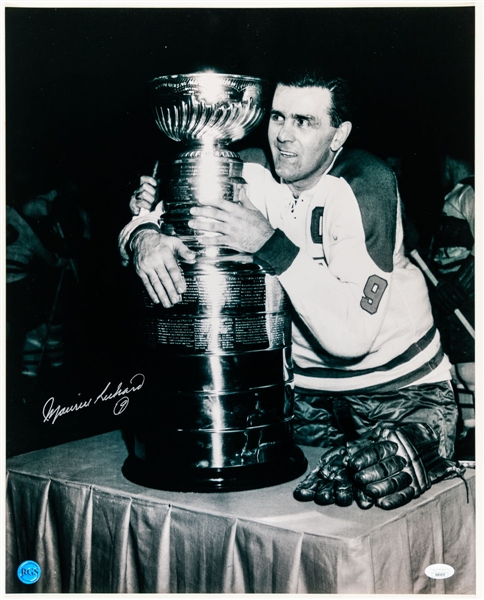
[341, 106]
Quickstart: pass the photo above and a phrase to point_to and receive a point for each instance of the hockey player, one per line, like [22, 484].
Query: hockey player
[367, 355]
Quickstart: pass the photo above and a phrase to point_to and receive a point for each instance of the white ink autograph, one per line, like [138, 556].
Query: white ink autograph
[51, 412]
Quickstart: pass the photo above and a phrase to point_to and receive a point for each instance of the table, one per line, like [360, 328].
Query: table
[70, 509]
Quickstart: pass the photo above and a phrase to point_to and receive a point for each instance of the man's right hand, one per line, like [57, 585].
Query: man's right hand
[145, 196]
[155, 260]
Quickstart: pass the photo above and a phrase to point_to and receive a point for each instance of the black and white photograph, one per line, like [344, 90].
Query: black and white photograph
[240, 311]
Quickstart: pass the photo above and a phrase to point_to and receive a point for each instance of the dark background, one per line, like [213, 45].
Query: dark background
[77, 105]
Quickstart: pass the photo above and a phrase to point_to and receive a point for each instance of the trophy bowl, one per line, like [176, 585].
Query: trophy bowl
[206, 111]
[207, 107]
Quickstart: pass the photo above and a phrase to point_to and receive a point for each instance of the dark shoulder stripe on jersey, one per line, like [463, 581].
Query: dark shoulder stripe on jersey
[401, 359]
[374, 186]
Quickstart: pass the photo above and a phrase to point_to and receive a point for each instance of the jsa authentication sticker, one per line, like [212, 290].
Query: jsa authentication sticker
[439, 571]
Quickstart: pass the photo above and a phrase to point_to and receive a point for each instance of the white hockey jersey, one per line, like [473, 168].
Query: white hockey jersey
[362, 318]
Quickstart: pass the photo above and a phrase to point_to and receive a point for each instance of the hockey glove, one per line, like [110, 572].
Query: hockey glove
[400, 465]
[329, 483]
[379, 473]
[422, 438]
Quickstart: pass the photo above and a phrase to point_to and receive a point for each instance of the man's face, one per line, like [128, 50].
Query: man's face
[300, 135]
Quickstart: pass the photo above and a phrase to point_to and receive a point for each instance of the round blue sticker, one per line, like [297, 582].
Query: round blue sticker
[29, 572]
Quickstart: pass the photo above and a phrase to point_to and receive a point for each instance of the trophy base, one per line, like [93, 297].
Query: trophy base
[226, 479]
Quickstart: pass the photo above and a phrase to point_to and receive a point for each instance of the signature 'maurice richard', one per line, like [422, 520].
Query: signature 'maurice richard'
[51, 412]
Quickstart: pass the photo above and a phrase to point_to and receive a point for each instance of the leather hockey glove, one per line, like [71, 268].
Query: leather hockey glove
[379, 474]
[329, 483]
[400, 465]
[422, 438]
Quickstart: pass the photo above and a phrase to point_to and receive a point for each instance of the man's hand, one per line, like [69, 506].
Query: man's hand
[155, 260]
[329, 482]
[237, 225]
[145, 196]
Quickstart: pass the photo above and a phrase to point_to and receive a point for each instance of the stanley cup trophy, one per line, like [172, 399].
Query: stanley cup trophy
[218, 414]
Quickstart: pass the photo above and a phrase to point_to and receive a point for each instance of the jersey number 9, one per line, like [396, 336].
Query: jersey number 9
[373, 292]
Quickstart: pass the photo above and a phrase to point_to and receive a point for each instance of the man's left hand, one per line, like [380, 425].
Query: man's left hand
[237, 225]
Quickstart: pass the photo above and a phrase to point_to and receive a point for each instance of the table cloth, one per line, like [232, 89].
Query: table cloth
[70, 509]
